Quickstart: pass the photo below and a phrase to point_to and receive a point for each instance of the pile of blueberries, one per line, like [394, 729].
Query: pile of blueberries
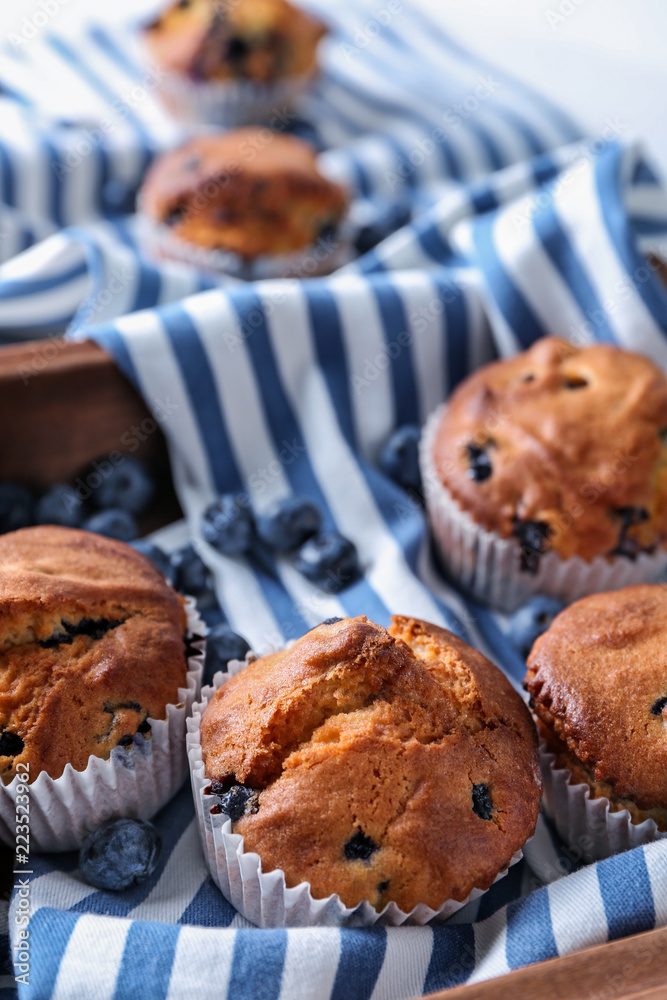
[289, 527]
[106, 498]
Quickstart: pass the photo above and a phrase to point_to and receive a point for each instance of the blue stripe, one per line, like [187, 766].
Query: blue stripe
[625, 887]
[7, 177]
[454, 328]
[203, 394]
[508, 298]
[397, 335]
[325, 323]
[18, 288]
[608, 166]
[530, 936]
[50, 931]
[251, 979]
[145, 968]
[209, 908]
[361, 956]
[567, 262]
[114, 342]
[452, 959]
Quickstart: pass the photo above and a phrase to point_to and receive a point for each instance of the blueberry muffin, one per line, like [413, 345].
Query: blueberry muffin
[597, 681]
[258, 40]
[377, 765]
[91, 646]
[250, 192]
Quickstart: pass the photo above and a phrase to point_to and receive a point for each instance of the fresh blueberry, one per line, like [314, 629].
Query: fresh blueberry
[533, 538]
[482, 803]
[61, 505]
[17, 507]
[191, 573]
[128, 485]
[360, 847]
[222, 645]
[399, 458]
[157, 556]
[227, 525]
[113, 524]
[119, 854]
[288, 523]
[480, 466]
[530, 621]
[328, 560]
[239, 801]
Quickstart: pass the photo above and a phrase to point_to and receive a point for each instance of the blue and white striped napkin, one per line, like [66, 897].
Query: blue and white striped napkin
[522, 227]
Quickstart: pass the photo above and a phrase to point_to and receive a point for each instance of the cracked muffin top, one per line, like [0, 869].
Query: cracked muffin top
[249, 191]
[564, 448]
[597, 679]
[259, 40]
[91, 646]
[380, 765]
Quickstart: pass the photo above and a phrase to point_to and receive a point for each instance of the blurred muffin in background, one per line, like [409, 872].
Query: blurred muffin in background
[231, 61]
[249, 202]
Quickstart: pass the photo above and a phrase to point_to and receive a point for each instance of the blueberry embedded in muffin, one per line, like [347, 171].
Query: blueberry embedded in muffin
[91, 646]
[258, 40]
[249, 191]
[377, 765]
[597, 681]
[562, 448]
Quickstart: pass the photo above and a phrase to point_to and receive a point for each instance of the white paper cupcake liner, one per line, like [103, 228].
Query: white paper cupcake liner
[589, 826]
[134, 781]
[313, 261]
[489, 567]
[230, 103]
[263, 897]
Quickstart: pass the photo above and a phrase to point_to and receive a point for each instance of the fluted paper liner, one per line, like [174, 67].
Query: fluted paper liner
[589, 826]
[134, 781]
[263, 897]
[488, 567]
[313, 261]
[232, 103]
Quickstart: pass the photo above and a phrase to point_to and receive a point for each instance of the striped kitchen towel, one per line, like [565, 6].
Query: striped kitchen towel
[80, 121]
[521, 228]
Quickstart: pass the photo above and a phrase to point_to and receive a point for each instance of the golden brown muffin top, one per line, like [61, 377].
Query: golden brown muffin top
[91, 645]
[259, 40]
[381, 765]
[563, 447]
[598, 680]
[250, 191]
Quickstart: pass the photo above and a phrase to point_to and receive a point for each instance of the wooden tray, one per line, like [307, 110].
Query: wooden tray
[64, 404]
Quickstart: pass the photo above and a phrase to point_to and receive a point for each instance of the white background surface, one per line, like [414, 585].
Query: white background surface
[602, 59]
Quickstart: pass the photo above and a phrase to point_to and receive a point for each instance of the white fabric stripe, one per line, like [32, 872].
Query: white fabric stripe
[372, 402]
[61, 890]
[575, 926]
[380, 554]
[313, 604]
[655, 857]
[490, 940]
[45, 307]
[178, 884]
[159, 372]
[92, 959]
[311, 963]
[239, 396]
[31, 171]
[203, 959]
[533, 272]
[52, 256]
[405, 964]
[421, 303]
[579, 210]
[542, 857]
